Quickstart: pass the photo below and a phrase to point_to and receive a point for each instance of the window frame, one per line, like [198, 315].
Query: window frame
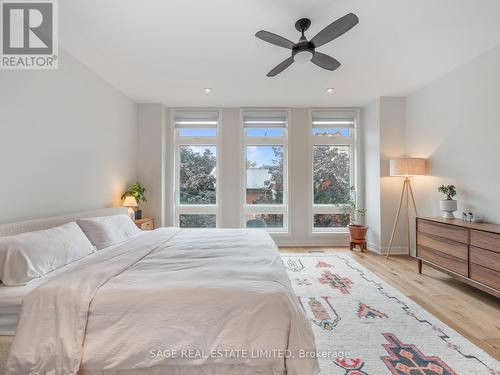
[179, 141]
[276, 209]
[316, 140]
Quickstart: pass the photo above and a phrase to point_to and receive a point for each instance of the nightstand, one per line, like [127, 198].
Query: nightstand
[146, 223]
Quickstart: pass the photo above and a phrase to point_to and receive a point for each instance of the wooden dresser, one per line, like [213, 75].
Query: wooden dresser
[469, 251]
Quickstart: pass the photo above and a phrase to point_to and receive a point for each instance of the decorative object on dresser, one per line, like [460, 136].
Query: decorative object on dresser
[130, 203]
[138, 191]
[145, 224]
[357, 231]
[468, 251]
[406, 168]
[448, 205]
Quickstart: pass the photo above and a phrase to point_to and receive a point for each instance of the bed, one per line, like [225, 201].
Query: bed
[169, 301]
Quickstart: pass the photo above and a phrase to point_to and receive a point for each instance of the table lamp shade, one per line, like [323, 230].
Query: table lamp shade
[129, 201]
[408, 167]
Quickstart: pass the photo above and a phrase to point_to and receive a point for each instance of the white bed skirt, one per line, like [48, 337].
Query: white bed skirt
[5, 343]
[197, 370]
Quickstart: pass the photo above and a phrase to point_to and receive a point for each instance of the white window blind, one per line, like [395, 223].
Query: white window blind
[196, 119]
[326, 119]
[256, 119]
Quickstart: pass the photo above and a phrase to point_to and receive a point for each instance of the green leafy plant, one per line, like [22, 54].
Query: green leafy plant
[137, 191]
[449, 190]
[352, 211]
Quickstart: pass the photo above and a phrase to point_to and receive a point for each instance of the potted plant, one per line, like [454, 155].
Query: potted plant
[448, 205]
[138, 191]
[356, 231]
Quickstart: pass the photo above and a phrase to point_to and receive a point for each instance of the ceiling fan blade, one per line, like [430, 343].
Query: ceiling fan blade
[279, 68]
[274, 39]
[335, 29]
[325, 61]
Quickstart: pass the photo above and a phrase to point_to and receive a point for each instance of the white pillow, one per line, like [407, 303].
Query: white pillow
[108, 230]
[29, 256]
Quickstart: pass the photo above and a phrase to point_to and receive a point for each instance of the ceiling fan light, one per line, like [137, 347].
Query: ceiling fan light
[302, 57]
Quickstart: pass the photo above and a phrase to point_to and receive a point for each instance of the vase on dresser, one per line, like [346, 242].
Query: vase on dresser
[448, 207]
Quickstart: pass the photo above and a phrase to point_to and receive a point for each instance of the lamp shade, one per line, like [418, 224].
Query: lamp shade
[408, 167]
[129, 201]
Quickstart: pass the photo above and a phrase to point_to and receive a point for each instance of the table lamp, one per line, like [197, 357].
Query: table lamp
[130, 202]
[406, 168]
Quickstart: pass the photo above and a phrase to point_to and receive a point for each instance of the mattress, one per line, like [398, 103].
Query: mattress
[5, 344]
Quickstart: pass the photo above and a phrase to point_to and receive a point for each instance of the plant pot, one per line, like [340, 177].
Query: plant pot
[138, 214]
[358, 233]
[448, 206]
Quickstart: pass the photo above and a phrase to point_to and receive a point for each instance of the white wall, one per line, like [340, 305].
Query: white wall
[67, 141]
[383, 124]
[151, 145]
[299, 186]
[455, 123]
[370, 120]
[230, 176]
[392, 146]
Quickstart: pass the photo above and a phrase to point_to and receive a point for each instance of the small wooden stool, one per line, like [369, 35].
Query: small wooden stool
[361, 244]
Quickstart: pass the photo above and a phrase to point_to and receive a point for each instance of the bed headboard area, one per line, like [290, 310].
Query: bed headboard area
[54, 221]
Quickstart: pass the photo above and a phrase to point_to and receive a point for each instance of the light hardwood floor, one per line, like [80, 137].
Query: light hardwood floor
[471, 312]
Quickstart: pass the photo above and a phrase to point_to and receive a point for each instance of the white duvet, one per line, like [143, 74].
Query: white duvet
[214, 302]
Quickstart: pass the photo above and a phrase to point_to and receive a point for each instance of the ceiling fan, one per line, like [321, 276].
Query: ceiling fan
[305, 50]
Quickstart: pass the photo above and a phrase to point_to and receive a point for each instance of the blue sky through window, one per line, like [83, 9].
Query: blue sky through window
[261, 155]
[265, 132]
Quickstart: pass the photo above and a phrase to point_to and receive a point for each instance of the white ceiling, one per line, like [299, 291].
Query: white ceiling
[168, 51]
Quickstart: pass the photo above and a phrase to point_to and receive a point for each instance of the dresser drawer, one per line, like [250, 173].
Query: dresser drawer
[485, 258]
[485, 276]
[444, 260]
[453, 248]
[485, 240]
[449, 232]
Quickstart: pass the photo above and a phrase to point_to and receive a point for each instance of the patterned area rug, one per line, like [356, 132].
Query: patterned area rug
[364, 326]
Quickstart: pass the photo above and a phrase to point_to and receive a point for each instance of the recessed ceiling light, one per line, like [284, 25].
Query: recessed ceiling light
[208, 89]
[330, 89]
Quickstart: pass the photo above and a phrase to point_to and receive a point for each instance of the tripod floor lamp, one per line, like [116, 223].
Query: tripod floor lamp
[406, 168]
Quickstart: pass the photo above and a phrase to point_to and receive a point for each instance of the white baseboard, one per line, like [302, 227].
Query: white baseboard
[383, 250]
[337, 240]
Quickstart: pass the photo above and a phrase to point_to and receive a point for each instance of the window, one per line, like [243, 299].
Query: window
[332, 169]
[266, 182]
[196, 169]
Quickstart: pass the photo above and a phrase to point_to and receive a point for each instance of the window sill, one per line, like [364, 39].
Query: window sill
[279, 233]
[341, 232]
